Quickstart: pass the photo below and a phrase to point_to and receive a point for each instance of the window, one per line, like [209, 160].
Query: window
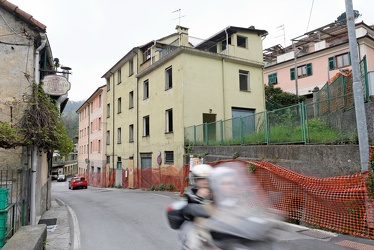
[108, 137]
[108, 110]
[99, 123]
[119, 102]
[169, 120]
[340, 61]
[244, 80]
[92, 107]
[146, 126]
[169, 156]
[91, 147]
[91, 127]
[213, 49]
[99, 146]
[145, 89]
[131, 67]
[147, 55]
[241, 41]
[131, 99]
[119, 135]
[168, 78]
[302, 71]
[119, 76]
[119, 163]
[223, 43]
[131, 133]
[107, 84]
[99, 101]
[272, 78]
[107, 159]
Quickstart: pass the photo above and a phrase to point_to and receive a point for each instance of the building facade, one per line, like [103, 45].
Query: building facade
[158, 89]
[91, 137]
[25, 58]
[320, 55]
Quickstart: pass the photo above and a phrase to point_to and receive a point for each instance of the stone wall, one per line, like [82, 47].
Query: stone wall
[310, 160]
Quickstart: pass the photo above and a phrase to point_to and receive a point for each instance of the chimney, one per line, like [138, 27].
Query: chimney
[183, 35]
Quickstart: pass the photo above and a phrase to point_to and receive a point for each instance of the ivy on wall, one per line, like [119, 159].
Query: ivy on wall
[40, 125]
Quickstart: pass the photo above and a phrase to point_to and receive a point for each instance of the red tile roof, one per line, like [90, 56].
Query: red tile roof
[14, 10]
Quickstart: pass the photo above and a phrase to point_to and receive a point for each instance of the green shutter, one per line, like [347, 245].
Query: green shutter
[292, 73]
[272, 78]
[331, 63]
[309, 71]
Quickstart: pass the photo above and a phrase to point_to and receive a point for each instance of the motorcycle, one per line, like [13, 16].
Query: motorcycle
[236, 219]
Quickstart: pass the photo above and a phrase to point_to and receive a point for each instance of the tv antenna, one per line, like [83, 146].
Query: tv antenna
[180, 12]
[284, 34]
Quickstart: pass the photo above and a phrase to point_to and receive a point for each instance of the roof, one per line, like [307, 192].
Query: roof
[222, 35]
[24, 16]
[88, 99]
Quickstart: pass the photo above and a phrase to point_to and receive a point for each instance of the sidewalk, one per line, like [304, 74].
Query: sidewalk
[58, 231]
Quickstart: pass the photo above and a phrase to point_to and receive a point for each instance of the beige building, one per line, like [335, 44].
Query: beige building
[158, 89]
[25, 58]
[91, 137]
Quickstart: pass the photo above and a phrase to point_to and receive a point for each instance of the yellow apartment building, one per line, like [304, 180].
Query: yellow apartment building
[158, 89]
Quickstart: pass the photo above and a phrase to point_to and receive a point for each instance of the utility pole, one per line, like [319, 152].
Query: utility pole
[362, 132]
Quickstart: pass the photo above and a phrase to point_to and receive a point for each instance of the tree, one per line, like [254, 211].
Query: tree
[40, 125]
[276, 98]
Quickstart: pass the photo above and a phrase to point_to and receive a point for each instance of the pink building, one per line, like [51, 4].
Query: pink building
[320, 54]
[91, 139]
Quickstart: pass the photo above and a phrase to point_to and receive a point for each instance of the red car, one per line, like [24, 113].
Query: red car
[77, 182]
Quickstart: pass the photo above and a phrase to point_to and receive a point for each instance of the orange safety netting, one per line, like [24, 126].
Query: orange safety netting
[341, 204]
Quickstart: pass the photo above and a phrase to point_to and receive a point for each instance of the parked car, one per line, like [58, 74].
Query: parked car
[54, 175]
[61, 177]
[77, 182]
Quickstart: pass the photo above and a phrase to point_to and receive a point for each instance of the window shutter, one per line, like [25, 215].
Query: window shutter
[331, 63]
[309, 71]
[349, 58]
[292, 73]
[270, 79]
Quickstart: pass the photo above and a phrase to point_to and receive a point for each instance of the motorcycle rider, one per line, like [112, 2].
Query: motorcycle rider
[197, 196]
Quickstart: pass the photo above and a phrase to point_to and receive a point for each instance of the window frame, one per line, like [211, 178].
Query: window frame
[108, 110]
[146, 126]
[131, 67]
[108, 137]
[119, 105]
[119, 135]
[167, 156]
[131, 99]
[169, 121]
[303, 71]
[146, 89]
[168, 78]
[273, 78]
[245, 73]
[333, 61]
[119, 76]
[240, 45]
[131, 133]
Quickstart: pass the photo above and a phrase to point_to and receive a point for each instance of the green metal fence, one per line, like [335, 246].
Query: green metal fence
[330, 118]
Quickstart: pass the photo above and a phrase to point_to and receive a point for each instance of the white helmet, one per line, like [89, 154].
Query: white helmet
[201, 171]
[198, 172]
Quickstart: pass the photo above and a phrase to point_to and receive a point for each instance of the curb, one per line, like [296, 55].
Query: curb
[73, 225]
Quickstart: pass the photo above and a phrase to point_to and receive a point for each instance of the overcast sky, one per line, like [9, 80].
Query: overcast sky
[90, 36]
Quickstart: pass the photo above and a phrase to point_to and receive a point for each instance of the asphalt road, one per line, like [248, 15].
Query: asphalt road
[120, 218]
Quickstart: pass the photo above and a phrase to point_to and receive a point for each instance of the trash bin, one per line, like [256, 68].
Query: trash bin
[3, 215]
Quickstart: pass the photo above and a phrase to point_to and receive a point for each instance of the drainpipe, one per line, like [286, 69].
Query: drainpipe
[227, 42]
[60, 100]
[34, 156]
[154, 43]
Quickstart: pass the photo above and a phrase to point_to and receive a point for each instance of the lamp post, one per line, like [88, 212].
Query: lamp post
[362, 132]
